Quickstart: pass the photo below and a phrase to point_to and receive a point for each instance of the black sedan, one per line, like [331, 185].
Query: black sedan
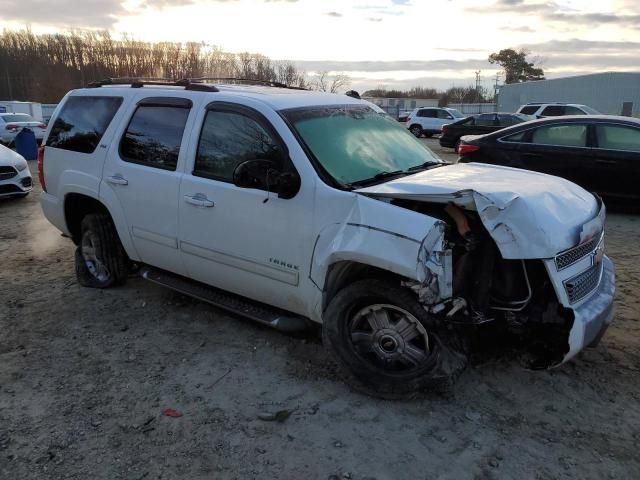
[600, 153]
[478, 125]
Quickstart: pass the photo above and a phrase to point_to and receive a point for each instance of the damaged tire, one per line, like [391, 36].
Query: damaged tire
[385, 343]
[100, 259]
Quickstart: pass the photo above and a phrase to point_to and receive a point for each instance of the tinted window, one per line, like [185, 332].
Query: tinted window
[426, 113]
[617, 137]
[486, 120]
[154, 135]
[230, 138]
[569, 110]
[516, 137]
[529, 110]
[82, 122]
[563, 135]
[552, 111]
[444, 114]
[507, 120]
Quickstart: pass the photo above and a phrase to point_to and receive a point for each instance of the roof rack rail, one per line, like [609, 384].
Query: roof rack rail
[248, 81]
[138, 82]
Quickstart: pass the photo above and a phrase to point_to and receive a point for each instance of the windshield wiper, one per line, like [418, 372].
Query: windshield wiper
[425, 165]
[375, 178]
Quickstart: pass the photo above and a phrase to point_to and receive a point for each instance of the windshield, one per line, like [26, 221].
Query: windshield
[455, 113]
[354, 143]
[20, 117]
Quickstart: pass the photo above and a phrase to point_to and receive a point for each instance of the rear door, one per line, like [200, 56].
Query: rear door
[616, 165]
[558, 149]
[486, 123]
[142, 173]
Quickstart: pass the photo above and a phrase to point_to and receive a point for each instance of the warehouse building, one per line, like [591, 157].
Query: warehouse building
[611, 92]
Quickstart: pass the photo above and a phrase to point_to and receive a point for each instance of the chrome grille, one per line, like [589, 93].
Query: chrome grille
[583, 284]
[575, 254]
[7, 172]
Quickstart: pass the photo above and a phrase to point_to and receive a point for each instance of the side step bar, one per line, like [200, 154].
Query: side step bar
[258, 312]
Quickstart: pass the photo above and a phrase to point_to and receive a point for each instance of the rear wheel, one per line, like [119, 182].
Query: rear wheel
[100, 258]
[416, 130]
[386, 344]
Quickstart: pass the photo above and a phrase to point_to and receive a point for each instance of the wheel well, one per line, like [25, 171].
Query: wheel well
[415, 125]
[76, 207]
[341, 274]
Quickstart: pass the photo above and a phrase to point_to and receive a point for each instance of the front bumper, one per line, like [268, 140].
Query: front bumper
[593, 316]
[20, 184]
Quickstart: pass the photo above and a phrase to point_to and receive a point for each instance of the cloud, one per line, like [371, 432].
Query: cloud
[333, 14]
[390, 66]
[521, 29]
[374, 19]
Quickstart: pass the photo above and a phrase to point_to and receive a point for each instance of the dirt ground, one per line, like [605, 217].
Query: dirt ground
[86, 374]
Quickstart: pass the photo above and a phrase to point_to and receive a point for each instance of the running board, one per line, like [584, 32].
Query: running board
[258, 312]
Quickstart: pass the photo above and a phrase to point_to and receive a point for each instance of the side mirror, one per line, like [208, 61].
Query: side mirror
[259, 173]
[288, 185]
[264, 175]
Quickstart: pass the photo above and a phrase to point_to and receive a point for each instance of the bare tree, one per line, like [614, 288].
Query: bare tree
[330, 83]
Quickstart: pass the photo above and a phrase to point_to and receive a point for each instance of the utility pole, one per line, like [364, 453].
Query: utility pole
[495, 88]
[6, 70]
[478, 88]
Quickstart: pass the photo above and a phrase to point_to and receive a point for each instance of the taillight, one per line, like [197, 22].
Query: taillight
[41, 167]
[43, 125]
[11, 126]
[445, 128]
[464, 149]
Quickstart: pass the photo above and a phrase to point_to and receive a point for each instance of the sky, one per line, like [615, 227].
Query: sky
[377, 43]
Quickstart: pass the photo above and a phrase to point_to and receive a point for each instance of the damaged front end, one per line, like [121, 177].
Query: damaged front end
[494, 258]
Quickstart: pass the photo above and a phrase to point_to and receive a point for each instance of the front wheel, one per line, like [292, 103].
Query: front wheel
[386, 344]
[416, 130]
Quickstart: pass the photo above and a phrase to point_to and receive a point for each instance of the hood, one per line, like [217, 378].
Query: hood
[9, 158]
[528, 214]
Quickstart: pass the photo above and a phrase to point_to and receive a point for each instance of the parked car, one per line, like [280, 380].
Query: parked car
[428, 121]
[295, 207]
[403, 115]
[541, 110]
[15, 177]
[478, 125]
[12, 123]
[599, 153]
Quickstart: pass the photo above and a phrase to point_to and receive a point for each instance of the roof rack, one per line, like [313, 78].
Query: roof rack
[247, 81]
[199, 83]
[139, 82]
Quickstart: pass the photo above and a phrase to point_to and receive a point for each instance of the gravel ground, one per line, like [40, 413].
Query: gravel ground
[85, 376]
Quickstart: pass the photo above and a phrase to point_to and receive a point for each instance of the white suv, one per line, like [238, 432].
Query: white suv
[542, 110]
[294, 207]
[428, 121]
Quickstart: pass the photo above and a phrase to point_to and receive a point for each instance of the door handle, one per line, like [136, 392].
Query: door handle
[199, 200]
[117, 180]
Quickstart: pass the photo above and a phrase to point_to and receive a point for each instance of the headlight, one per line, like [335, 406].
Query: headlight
[21, 166]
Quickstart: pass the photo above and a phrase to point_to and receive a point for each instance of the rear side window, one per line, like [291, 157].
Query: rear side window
[82, 122]
[230, 138]
[552, 111]
[529, 110]
[618, 137]
[508, 120]
[444, 114]
[154, 135]
[486, 120]
[561, 135]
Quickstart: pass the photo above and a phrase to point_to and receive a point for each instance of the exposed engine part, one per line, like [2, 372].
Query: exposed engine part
[457, 305]
[462, 222]
[518, 305]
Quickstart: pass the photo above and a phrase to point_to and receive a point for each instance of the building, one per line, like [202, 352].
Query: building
[606, 92]
[394, 106]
